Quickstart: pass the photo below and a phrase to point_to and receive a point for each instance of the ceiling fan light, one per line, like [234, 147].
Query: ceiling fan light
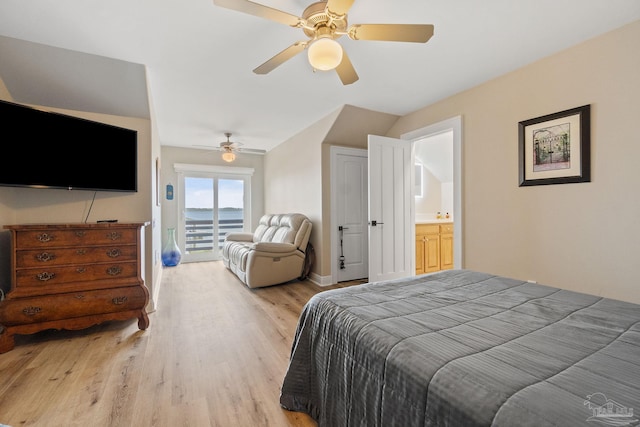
[325, 54]
[228, 156]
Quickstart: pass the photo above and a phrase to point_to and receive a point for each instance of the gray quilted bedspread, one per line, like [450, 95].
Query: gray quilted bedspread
[463, 348]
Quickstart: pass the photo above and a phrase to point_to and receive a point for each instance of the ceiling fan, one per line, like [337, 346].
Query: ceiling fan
[324, 22]
[229, 149]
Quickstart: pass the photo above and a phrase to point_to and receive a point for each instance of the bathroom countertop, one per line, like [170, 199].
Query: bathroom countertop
[434, 221]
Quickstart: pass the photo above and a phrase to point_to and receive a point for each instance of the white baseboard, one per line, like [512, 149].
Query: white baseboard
[320, 280]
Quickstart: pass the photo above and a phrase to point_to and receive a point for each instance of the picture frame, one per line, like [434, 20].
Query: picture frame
[556, 148]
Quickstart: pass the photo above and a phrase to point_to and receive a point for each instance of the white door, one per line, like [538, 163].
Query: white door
[351, 215]
[391, 236]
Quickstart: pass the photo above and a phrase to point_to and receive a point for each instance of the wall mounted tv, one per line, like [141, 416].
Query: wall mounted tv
[44, 149]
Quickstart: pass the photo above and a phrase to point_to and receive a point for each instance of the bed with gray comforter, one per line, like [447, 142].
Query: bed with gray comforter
[463, 348]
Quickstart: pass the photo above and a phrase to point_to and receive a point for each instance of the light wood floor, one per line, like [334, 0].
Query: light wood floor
[215, 354]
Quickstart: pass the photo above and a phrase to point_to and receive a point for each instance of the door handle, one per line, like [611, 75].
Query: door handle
[374, 223]
[340, 228]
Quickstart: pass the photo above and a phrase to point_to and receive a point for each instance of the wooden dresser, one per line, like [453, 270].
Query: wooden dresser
[72, 276]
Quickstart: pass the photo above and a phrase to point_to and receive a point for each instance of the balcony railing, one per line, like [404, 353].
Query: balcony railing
[200, 233]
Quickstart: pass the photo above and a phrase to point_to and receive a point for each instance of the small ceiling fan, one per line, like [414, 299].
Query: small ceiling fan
[229, 149]
[324, 22]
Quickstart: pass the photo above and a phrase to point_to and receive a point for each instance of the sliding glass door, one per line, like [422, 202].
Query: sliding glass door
[199, 230]
[213, 205]
[230, 209]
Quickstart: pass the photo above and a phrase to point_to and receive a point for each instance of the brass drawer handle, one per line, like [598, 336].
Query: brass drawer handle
[114, 235]
[45, 276]
[114, 271]
[45, 237]
[114, 253]
[31, 311]
[81, 270]
[119, 300]
[45, 257]
[80, 233]
[81, 251]
[79, 296]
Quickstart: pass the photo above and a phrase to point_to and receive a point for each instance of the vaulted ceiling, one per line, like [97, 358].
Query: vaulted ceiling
[193, 60]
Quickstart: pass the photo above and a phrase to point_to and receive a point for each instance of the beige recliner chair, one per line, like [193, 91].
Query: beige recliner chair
[273, 254]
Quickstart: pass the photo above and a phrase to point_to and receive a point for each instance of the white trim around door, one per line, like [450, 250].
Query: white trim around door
[453, 124]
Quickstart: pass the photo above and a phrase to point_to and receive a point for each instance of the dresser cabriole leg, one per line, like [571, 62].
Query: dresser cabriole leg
[143, 320]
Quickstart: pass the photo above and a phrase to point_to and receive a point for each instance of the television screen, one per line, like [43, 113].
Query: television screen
[50, 150]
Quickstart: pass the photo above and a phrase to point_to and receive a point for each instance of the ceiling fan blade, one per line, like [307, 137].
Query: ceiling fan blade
[339, 7]
[281, 57]
[259, 10]
[417, 33]
[345, 71]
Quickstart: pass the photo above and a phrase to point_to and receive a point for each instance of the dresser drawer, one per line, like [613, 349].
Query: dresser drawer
[67, 306]
[446, 228]
[427, 229]
[50, 277]
[49, 238]
[84, 255]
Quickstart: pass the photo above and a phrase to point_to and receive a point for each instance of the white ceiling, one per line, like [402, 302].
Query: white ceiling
[200, 57]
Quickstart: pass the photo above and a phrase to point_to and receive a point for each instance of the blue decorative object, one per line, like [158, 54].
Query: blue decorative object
[169, 192]
[171, 254]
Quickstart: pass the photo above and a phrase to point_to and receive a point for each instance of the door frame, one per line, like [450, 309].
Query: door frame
[334, 152]
[453, 124]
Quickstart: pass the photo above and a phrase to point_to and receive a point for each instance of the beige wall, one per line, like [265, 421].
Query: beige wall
[585, 236]
[7, 196]
[293, 181]
[173, 155]
[153, 236]
[4, 92]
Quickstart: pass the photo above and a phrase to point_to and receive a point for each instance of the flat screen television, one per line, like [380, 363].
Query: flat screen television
[43, 149]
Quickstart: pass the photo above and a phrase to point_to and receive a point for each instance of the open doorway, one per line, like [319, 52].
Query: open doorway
[434, 177]
[439, 148]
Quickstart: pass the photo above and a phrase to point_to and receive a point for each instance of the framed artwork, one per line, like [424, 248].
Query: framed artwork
[556, 148]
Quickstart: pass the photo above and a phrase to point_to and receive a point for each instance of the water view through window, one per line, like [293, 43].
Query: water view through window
[214, 207]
